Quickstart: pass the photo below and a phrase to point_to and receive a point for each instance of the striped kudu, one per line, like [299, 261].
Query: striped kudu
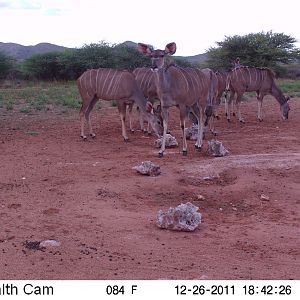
[109, 84]
[146, 81]
[186, 88]
[251, 79]
[221, 78]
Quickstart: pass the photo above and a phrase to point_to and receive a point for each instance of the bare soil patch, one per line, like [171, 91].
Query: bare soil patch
[54, 186]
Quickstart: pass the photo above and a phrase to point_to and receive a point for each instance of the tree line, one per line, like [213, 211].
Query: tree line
[272, 50]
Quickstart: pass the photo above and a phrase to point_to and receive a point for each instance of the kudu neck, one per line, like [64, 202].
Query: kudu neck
[277, 93]
[162, 77]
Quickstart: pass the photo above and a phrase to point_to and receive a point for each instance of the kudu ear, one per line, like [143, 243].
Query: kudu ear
[144, 49]
[170, 49]
[158, 109]
[149, 107]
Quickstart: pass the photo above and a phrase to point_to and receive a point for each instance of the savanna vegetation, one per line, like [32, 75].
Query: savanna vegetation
[48, 79]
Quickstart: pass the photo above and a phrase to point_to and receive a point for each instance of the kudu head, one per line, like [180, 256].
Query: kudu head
[285, 108]
[157, 56]
[155, 118]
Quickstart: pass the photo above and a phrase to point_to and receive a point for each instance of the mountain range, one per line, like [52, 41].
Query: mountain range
[21, 52]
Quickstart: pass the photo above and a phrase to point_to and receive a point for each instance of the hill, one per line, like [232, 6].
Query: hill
[21, 52]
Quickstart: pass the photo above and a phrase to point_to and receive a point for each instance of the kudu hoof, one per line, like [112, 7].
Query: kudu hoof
[198, 148]
[92, 135]
[233, 114]
[132, 131]
[242, 121]
[160, 154]
[260, 120]
[126, 140]
[84, 137]
[228, 120]
[184, 152]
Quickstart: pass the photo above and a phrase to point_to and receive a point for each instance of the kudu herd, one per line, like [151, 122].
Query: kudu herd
[190, 89]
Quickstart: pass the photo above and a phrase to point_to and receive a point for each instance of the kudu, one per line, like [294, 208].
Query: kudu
[109, 84]
[221, 88]
[146, 82]
[213, 78]
[251, 79]
[186, 88]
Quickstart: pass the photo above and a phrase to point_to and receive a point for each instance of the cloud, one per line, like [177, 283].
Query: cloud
[21, 4]
[53, 12]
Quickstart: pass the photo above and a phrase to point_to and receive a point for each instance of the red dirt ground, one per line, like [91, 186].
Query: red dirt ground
[86, 196]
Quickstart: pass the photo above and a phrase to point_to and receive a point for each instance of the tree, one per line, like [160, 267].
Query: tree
[254, 49]
[43, 66]
[6, 65]
[129, 58]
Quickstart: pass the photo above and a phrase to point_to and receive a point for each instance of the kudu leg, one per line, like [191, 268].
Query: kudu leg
[238, 107]
[122, 112]
[228, 105]
[130, 107]
[165, 116]
[182, 125]
[88, 116]
[199, 142]
[85, 114]
[259, 106]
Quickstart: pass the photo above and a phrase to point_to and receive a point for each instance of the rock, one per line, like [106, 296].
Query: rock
[148, 168]
[49, 243]
[264, 197]
[216, 148]
[184, 217]
[200, 197]
[192, 132]
[171, 142]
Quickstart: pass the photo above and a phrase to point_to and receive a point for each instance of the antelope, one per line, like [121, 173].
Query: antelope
[186, 88]
[212, 77]
[221, 78]
[109, 84]
[146, 81]
[259, 80]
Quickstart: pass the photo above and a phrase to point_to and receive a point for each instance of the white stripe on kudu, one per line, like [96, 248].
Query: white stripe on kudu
[112, 81]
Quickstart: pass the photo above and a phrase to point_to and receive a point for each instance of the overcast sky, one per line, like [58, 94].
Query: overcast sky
[195, 25]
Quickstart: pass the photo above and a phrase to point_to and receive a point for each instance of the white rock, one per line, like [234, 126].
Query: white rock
[184, 217]
[148, 168]
[264, 197]
[192, 132]
[216, 148]
[50, 243]
[171, 142]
